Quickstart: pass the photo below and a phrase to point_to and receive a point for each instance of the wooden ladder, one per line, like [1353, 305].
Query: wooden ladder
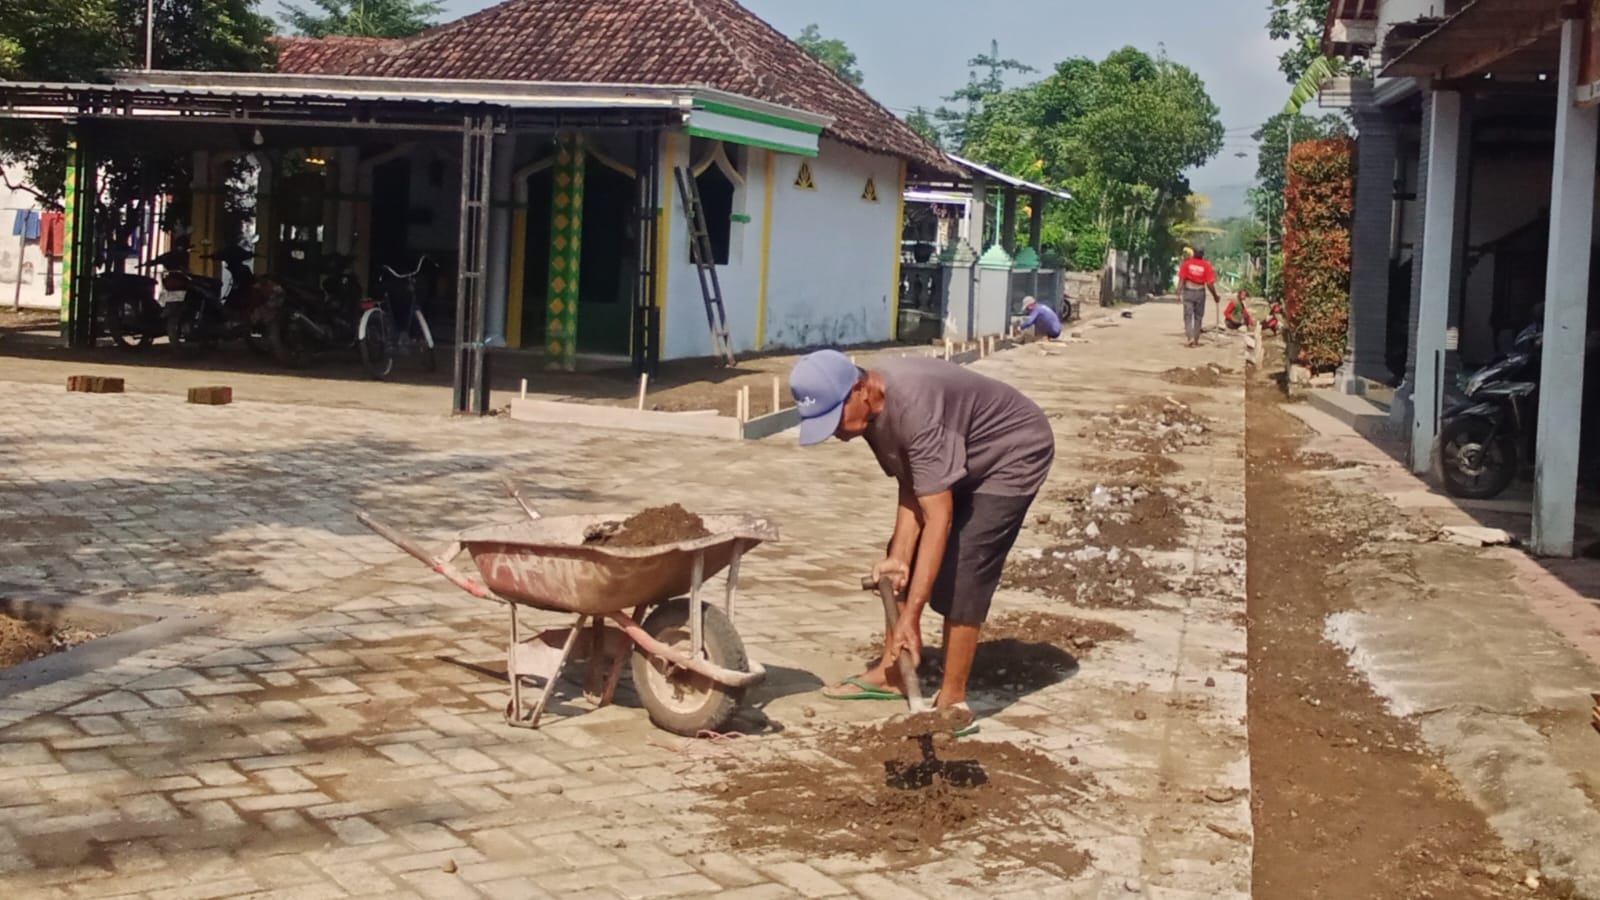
[705, 263]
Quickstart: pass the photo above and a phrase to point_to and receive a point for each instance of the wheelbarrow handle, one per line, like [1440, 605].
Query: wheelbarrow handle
[405, 542]
[515, 493]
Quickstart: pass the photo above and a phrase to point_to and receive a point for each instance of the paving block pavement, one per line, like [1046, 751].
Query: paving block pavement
[336, 731]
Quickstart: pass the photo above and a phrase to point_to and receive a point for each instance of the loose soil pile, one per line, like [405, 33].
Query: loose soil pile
[1088, 575]
[1149, 425]
[22, 642]
[1126, 514]
[1209, 375]
[1141, 467]
[873, 790]
[649, 528]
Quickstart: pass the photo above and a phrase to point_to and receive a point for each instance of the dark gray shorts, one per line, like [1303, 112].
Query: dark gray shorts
[981, 534]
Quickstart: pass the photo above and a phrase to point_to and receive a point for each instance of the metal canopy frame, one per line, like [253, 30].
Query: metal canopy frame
[1484, 35]
[89, 109]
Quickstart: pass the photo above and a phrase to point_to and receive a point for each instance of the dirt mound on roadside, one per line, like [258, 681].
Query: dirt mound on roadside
[649, 528]
[1149, 425]
[1088, 575]
[1127, 514]
[1209, 375]
[22, 642]
[1148, 467]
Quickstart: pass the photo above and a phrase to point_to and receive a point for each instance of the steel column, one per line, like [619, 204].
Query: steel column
[471, 367]
[647, 205]
[1566, 308]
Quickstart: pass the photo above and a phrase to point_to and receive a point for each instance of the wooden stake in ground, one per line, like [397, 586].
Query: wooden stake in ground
[524, 388]
[644, 385]
[777, 393]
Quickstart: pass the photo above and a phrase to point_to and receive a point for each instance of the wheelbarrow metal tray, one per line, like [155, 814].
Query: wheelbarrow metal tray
[545, 564]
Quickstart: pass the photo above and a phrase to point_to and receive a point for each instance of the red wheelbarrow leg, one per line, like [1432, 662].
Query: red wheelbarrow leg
[514, 712]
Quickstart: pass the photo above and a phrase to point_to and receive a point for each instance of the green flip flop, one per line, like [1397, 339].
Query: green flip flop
[869, 691]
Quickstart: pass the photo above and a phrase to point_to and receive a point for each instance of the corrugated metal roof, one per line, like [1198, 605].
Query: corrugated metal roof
[1012, 180]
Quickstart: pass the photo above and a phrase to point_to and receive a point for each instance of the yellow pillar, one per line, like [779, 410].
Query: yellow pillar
[766, 248]
[516, 284]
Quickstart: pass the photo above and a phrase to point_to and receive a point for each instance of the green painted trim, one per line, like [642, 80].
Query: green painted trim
[995, 257]
[741, 218]
[750, 115]
[750, 142]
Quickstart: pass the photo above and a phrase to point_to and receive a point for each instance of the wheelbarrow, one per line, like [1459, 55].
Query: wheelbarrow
[689, 665]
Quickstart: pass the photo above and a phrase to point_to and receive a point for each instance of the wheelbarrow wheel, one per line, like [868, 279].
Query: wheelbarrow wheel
[680, 701]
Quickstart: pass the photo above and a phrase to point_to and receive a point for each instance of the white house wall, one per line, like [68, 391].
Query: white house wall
[832, 260]
[833, 257]
[33, 261]
[684, 323]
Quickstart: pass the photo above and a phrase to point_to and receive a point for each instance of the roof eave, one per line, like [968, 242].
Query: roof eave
[1012, 180]
[509, 93]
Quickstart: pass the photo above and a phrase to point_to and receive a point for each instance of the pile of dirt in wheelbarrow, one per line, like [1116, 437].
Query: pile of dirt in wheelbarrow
[649, 528]
[863, 791]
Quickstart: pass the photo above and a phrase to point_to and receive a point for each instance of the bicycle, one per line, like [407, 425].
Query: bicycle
[379, 335]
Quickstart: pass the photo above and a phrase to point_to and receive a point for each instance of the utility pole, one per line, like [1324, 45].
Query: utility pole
[149, 32]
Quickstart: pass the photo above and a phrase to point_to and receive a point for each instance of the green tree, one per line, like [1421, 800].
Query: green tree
[921, 121]
[1300, 22]
[831, 52]
[956, 122]
[81, 40]
[1119, 134]
[1272, 149]
[362, 18]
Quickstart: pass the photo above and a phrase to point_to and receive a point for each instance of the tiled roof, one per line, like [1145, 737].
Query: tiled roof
[326, 56]
[716, 43]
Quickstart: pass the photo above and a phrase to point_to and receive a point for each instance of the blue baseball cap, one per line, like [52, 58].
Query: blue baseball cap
[820, 383]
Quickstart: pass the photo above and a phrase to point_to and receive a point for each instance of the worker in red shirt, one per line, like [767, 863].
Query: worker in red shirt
[1195, 277]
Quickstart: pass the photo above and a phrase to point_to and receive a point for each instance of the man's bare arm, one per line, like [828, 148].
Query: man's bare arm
[937, 513]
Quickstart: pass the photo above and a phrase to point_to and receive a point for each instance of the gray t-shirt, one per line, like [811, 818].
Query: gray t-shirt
[944, 427]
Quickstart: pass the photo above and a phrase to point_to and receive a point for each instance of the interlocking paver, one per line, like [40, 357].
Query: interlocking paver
[333, 714]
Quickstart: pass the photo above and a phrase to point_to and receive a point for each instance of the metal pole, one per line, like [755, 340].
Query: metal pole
[149, 32]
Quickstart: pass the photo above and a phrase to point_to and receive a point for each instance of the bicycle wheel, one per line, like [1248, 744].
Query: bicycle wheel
[374, 340]
[424, 339]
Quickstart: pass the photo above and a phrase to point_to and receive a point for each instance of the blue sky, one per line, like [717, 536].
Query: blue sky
[915, 51]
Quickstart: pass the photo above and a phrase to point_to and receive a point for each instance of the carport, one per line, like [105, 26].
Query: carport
[183, 112]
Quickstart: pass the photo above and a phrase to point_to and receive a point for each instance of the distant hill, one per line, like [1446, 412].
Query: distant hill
[1227, 201]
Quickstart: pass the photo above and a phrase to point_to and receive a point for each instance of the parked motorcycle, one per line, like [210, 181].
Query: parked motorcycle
[306, 324]
[203, 315]
[1487, 432]
[129, 310]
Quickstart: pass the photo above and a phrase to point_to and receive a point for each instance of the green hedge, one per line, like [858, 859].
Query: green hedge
[1316, 250]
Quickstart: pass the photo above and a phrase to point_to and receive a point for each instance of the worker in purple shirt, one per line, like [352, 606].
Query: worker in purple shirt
[1042, 319]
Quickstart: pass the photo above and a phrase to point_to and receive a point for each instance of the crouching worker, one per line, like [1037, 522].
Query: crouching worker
[1042, 319]
[969, 454]
[1237, 315]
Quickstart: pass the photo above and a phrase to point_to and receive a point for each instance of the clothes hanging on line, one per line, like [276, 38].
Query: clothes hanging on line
[52, 234]
[26, 224]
